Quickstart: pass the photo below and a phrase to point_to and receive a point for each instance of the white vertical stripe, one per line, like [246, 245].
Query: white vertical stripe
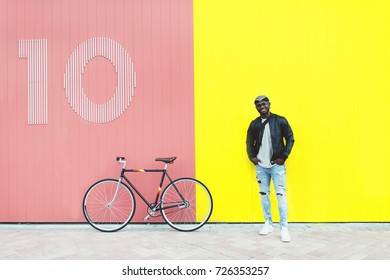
[30, 89]
[39, 89]
[121, 77]
[80, 97]
[46, 109]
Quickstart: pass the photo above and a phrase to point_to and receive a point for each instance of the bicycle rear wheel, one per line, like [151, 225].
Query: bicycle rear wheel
[186, 204]
[105, 213]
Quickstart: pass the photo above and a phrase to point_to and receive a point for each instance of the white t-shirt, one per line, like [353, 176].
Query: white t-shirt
[265, 151]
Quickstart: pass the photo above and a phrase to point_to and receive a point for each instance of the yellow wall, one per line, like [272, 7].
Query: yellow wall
[325, 66]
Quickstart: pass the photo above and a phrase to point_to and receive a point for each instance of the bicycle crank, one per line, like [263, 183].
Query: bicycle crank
[152, 212]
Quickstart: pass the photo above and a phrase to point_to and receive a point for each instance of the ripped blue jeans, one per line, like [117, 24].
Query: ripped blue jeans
[278, 175]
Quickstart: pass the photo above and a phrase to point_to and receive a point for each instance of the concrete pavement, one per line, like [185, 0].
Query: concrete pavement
[310, 241]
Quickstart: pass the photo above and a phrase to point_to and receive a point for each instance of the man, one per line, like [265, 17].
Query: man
[269, 142]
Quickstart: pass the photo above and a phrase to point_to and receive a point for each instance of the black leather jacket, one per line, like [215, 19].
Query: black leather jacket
[281, 134]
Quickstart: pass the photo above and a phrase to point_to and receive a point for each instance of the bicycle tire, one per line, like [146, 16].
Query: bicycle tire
[191, 213]
[105, 217]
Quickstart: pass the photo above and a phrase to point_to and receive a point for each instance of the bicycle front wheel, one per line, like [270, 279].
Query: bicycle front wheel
[108, 206]
[186, 204]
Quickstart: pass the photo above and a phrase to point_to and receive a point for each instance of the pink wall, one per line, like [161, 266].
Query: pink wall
[45, 169]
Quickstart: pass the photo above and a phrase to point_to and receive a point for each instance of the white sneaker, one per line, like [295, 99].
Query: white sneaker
[266, 229]
[285, 236]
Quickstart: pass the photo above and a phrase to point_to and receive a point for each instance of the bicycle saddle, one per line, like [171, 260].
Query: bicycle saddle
[166, 160]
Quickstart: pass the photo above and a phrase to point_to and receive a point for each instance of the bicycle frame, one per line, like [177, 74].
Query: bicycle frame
[156, 206]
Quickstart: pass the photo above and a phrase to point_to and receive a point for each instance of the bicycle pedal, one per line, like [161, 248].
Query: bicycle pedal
[147, 218]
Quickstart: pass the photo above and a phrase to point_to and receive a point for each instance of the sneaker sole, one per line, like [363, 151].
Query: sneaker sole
[266, 233]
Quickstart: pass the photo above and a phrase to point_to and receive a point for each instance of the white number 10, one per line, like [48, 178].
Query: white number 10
[35, 51]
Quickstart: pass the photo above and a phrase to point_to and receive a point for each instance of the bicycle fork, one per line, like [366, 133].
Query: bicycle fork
[116, 193]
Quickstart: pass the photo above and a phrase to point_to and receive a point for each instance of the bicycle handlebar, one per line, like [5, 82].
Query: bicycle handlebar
[121, 160]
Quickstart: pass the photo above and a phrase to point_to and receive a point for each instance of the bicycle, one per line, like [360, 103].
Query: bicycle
[185, 203]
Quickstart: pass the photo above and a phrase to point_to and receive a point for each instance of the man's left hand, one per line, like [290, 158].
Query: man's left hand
[278, 161]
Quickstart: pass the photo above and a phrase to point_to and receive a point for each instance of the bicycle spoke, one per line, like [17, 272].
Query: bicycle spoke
[193, 204]
[104, 212]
